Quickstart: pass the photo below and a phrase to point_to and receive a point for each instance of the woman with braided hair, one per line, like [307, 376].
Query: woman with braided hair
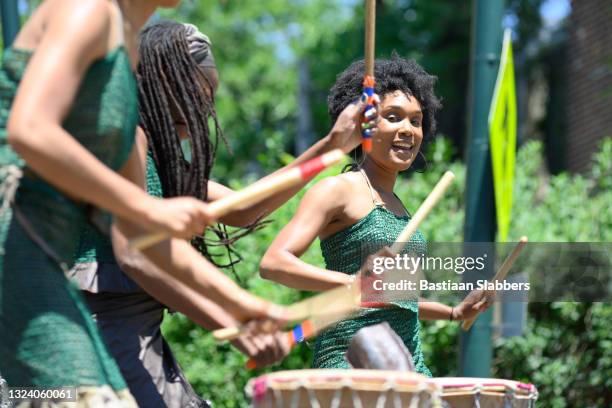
[68, 114]
[177, 80]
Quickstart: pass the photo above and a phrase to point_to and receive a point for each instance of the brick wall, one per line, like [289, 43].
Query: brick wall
[589, 97]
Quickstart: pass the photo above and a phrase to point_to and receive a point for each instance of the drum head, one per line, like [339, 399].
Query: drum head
[466, 392]
[343, 388]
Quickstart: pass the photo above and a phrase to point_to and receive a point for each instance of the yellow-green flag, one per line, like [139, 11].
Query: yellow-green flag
[502, 134]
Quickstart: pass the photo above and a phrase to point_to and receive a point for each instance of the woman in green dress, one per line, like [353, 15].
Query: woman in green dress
[68, 114]
[357, 211]
[177, 64]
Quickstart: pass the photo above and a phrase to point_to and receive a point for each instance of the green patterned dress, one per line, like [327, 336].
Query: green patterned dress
[345, 251]
[47, 337]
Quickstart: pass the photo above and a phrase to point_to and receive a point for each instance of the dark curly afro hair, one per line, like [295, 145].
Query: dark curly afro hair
[391, 75]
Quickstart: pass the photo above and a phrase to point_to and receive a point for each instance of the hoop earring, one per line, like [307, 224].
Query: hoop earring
[358, 160]
[422, 169]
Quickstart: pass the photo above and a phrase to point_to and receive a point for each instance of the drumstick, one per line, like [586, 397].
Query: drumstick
[431, 200]
[501, 274]
[370, 35]
[422, 212]
[368, 79]
[341, 300]
[308, 329]
[255, 192]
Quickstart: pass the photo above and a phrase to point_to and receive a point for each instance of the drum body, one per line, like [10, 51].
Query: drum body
[343, 388]
[460, 392]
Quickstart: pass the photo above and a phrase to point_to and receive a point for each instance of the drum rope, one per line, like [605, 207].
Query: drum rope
[381, 401]
[278, 396]
[416, 398]
[477, 397]
[314, 403]
[397, 401]
[354, 396]
[508, 397]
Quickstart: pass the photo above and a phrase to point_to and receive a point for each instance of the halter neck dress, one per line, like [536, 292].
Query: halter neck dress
[48, 336]
[345, 251]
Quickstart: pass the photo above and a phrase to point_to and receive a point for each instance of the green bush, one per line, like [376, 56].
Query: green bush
[566, 350]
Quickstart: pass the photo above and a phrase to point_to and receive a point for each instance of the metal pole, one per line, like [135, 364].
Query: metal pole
[476, 349]
[10, 21]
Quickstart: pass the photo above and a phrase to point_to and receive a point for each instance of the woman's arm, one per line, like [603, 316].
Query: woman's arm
[264, 348]
[281, 262]
[44, 98]
[344, 135]
[181, 261]
[429, 310]
[180, 271]
[475, 302]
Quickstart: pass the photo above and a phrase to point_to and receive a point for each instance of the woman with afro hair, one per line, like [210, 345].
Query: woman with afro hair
[359, 207]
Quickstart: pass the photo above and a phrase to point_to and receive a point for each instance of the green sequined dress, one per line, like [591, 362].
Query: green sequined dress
[47, 336]
[345, 251]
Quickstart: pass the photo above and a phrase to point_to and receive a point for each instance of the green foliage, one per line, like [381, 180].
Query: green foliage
[566, 350]
[257, 46]
[260, 45]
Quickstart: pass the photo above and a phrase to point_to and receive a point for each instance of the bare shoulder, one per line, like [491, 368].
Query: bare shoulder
[96, 14]
[141, 144]
[332, 191]
[91, 18]
[84, 23]
[140, 138]
[80, 20]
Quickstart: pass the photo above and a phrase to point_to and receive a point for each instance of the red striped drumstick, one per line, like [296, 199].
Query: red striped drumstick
[310, 328]
[342, 300]
[255, 192]
[317, 313]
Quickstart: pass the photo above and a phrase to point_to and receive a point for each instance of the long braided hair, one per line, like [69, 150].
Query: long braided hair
[174, 88]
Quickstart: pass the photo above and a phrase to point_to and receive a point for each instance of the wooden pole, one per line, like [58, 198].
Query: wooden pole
[370, 36]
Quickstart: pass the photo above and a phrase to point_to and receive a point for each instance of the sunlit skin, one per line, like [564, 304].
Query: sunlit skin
[338, 202]
[45, 95]
[400, 133]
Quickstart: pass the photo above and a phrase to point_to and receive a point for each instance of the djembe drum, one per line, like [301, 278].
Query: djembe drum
[460, 392]
[343, 388]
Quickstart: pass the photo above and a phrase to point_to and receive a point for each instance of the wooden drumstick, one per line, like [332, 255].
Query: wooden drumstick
[431, 200]
[422, 212]
[368, 79]
[255, 193]
[501, 274]
[338, 301]
[370, 35]
[309, 328]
